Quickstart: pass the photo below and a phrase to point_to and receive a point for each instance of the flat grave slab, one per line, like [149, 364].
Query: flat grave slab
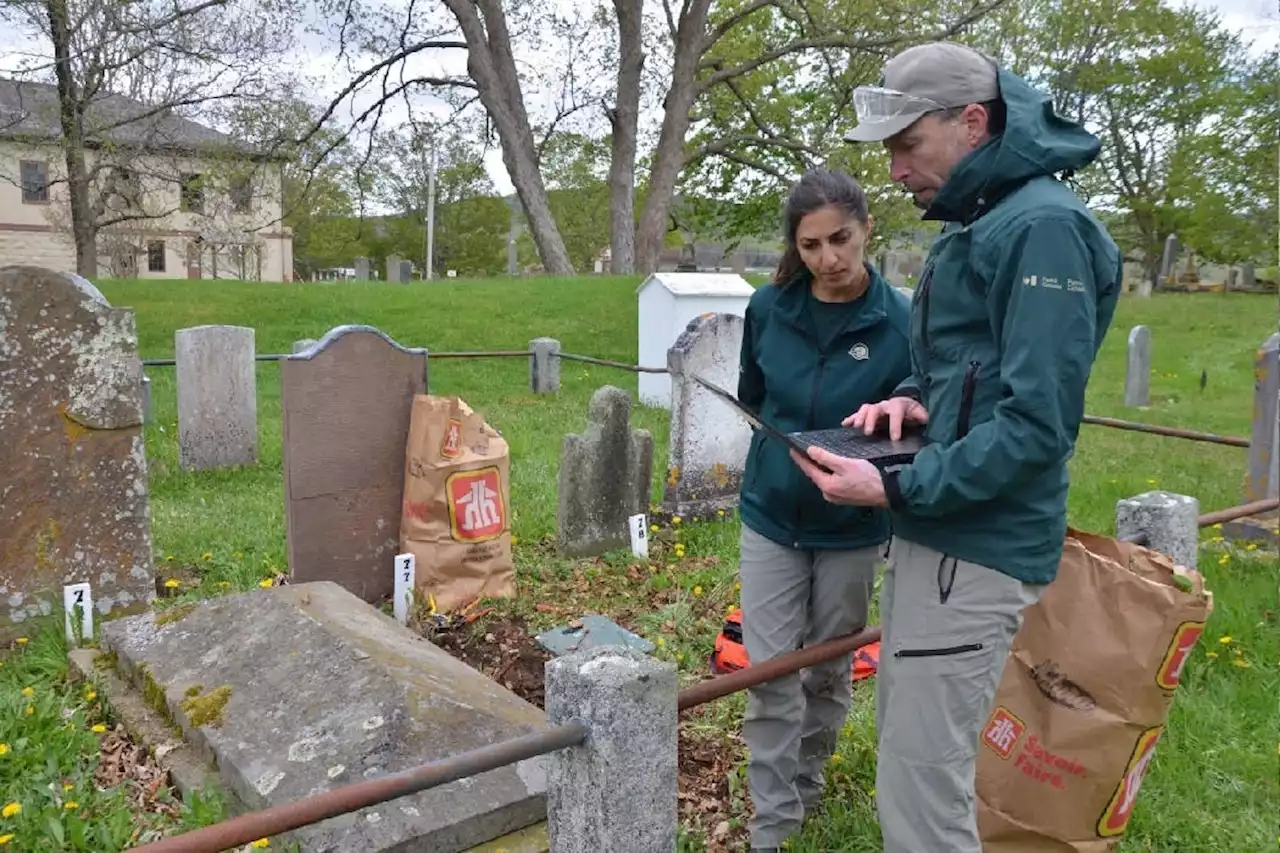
[298, 689]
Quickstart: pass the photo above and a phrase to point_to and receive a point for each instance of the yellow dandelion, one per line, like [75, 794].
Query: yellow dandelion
[661, 642]
[28, 691]
[836, 759]
[679, 657]
[97, 728]
[11, 809]
[262, 842]
[697, 590]
[1224, 559]
[90, 696]
[6, 838]
[1211, 654]
[67, 787]
[239, 556]
[1242, 663]
[172, 583]
[653, 528]
[169, 559]
[1225, 639]
[31, 709]
[515, 540]
[70, 805]
[720, 513]
[737, 587]
[265, 583]
[676, 519]
[206, 556]
[4, 749]
[22, 641]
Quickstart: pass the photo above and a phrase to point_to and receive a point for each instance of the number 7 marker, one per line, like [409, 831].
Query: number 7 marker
[78, 595]
[405, 567]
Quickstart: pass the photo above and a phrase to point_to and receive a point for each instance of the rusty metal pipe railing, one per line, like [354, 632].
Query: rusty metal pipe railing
[785, 664]
[1172, 432]
[249, 827]
[604, 362]
[1237, 512]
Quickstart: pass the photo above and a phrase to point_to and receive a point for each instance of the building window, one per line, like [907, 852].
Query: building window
[192, 194]
[155, 256]
[241, 194]
[35, 182]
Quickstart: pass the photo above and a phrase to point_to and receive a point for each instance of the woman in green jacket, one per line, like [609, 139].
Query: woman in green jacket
[825, 336]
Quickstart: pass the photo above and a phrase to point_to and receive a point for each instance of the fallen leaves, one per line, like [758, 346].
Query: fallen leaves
[123, 762]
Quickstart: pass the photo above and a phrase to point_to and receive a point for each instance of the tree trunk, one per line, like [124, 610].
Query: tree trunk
[492, 67]
[624, 118]
[71, 119]
[669, 156]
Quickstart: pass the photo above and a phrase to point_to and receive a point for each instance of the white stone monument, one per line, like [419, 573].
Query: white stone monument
[668, 302]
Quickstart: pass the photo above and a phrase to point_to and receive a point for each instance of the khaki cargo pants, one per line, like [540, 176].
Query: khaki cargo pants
[947, 627]
[793, 598]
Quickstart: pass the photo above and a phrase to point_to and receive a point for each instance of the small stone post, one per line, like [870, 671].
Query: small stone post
[1170, 522]
[544, 366]
[1264, 446]
[618, 790]
[1137, 375]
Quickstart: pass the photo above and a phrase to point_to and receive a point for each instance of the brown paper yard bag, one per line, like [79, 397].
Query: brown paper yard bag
[1084, 698]
[457, 503]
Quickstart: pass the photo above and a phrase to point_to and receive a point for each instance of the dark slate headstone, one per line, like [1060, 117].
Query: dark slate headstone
[303, 688]
[709, 441]
[346, 403]
[73, 470]
[605, 476]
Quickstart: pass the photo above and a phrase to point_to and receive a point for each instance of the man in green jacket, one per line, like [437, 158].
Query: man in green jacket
[1013, 303]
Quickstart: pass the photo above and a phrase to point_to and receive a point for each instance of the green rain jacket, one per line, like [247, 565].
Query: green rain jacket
[1013, 303]
[798, 379]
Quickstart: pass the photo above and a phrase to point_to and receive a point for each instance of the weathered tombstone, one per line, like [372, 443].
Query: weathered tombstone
[513, 256]
[73, 492]
[217, 397]
[305, 688]
[345, 407]
[406, 271]
[1263, 480]
[362, 269]
[1167, 519]
[605, 476]
[1168, 259]
[544, 366]
[599, 266]
[1137, 376]
[709, 440]
[1248, 277]
[393, 269]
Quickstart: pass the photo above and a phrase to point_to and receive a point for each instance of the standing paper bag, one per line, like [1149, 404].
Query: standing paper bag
[457, 500]
[1084, 698]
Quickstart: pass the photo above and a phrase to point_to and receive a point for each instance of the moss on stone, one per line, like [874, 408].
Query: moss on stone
[194, 690]
[153, 696]
[173, 614]
[207, 709]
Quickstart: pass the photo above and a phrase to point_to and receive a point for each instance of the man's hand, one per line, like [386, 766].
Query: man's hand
[853, 482]
[899, 411]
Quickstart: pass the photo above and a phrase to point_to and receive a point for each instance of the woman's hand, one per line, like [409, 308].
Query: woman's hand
[899, 411]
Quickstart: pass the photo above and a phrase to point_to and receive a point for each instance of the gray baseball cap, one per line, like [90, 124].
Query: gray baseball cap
[920, 80]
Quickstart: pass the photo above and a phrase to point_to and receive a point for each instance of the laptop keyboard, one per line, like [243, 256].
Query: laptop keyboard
[851, 444]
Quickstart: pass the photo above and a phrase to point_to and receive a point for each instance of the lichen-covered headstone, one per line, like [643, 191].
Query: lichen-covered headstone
[346, 404]
[217, 397]
[1137, 376]
[605, 477]
[709, 440]
[73, 473]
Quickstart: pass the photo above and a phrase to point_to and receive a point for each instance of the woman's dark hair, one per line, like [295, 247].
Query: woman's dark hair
[815, 190]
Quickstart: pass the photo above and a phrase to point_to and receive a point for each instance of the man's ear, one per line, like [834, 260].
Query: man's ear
[976, 120]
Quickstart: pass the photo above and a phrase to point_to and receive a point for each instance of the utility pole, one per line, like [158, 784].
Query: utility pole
[431, 215]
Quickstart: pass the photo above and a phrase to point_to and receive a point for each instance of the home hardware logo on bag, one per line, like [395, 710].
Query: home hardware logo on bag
[476, 510]
[1184, 640]
[1116, 815]
[451, 446]
[1003, 732]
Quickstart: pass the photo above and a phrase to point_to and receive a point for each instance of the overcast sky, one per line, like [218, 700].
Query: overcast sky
[1257, 21]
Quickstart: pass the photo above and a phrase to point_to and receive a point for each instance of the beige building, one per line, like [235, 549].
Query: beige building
[171, 198]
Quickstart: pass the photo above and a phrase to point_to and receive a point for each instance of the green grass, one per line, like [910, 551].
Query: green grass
[1213, 786]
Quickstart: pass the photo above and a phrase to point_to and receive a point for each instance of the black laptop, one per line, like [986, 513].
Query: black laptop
[878, 449]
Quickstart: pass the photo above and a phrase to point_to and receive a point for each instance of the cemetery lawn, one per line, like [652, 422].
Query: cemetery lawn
[1212, 788]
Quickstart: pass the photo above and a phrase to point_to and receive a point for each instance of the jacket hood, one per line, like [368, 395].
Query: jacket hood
[1036, 142]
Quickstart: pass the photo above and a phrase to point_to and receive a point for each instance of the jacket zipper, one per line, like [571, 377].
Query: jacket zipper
[932, 653]
[966, 399]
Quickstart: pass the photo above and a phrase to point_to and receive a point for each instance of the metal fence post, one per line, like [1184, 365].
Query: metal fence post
[618, 790]
[544, 366]
[1169, 521]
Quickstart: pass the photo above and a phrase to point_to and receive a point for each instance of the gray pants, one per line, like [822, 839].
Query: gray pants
[793, 598]
[947, 628]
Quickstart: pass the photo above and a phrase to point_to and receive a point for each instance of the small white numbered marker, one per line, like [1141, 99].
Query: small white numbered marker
[639, 535]
[405, 565]
[77, 603]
